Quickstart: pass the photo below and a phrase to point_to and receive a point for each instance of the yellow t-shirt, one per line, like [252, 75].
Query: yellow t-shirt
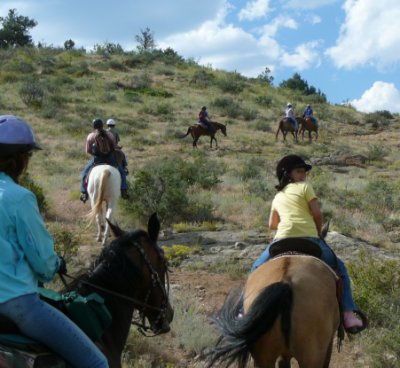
[296, 219]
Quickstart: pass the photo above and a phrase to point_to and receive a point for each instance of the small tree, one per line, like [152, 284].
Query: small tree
[69, 45]
[145, 40]
[14, 31]
[266, 76]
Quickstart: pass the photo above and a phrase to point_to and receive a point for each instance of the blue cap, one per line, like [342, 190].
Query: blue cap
[16, 135]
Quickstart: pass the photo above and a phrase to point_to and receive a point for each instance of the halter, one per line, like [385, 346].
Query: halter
[140, 323]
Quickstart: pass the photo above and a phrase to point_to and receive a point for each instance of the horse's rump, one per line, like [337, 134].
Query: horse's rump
[290, 310]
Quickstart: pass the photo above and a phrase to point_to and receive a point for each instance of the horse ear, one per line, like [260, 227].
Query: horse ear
[116, 230]
[153, 227]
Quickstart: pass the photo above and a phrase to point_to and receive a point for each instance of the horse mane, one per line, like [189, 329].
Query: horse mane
[111, 260]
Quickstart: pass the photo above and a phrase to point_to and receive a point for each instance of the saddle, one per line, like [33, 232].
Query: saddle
[89, 313]
[295, 245]
[201, 124]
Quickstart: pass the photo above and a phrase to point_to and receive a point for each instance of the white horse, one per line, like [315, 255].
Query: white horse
[104, 185]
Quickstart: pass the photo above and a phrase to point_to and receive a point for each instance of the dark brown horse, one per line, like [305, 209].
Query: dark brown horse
[286, 126]
[197, 130]
[130, 274]
[309, 125]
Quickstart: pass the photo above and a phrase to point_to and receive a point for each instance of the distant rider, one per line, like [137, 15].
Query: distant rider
[111, 128]
[204, 119]
[101, 145]
[289, 113]
[308, 113]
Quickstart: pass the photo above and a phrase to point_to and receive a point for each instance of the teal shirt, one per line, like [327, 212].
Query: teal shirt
[26, 248]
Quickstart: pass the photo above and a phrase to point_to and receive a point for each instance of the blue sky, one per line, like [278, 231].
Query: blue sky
[349, 49]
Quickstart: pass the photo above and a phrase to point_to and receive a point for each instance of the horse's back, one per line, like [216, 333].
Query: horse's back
[97, 174]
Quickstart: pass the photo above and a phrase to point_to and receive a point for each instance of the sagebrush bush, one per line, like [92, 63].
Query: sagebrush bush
[163, 187]
[32, 92]
[27, 182]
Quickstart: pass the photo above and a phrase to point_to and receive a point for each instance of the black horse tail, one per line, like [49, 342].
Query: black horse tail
[239, 334]
[187, 133]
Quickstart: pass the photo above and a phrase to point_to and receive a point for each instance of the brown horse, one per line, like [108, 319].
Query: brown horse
[197, 130]
[131, 274]
[286, 125]
[290, 311]
[309, 125]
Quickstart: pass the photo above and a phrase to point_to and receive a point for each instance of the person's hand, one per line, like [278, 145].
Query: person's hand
[62, 269]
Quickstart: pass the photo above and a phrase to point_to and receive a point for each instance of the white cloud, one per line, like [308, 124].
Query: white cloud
[281, 21]
[369, 35]
[308, 4]
[314, 19]
[254, 9]
[303, 57]
[381, 96]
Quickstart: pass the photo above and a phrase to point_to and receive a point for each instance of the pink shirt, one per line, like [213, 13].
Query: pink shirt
[90, 140]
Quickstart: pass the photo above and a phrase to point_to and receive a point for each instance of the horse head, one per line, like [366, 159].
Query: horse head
[220, 126]
[151, 266]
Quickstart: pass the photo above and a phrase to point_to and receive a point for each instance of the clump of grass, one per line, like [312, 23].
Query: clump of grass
[185, 227]
[176, 253]
[377, 292]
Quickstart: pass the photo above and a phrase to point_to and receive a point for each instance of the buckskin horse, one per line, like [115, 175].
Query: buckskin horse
[290, 311]
[197, 130]
[309, 125]
[286, 125]
[104, 185]
[131, 273]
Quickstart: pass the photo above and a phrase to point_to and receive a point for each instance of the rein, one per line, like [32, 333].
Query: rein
[156, 282]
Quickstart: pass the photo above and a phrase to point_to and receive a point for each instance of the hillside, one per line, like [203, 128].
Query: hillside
[154, 98]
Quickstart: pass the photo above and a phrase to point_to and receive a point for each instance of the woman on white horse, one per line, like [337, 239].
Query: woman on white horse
[28, 256]
[101, 145]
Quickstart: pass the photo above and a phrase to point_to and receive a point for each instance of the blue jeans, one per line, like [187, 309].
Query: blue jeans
[210, 128]
[346, 302]
[44, 323]
[110, 160]
[296, 124]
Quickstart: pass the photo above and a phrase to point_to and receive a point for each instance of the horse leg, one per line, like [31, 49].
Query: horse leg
[195, 142]
[309, 136]
[99, 226]
[109, 217]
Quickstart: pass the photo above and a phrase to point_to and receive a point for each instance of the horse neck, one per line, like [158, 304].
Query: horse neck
[113, 341]
[217, 125]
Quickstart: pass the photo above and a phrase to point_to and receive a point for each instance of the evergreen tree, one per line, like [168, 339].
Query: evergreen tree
[14, 31]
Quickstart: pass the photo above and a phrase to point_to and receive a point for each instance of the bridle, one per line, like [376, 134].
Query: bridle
[144, 305]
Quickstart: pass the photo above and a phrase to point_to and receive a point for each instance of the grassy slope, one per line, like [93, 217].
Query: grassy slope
[362, 201]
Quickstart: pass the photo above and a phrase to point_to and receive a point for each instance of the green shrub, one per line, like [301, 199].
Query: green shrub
[264, 100]
[376, 152]
[176, 253]
[263, 126]
[27, 182]
[230, 84]
[32, 92]
[163, 187]
[66, 243]
[202, 78]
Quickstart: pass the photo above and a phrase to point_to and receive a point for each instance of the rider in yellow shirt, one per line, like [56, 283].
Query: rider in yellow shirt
[295, 212]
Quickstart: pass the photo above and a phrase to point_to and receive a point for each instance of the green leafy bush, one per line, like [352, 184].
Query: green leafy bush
[32, 92]
[27, 182]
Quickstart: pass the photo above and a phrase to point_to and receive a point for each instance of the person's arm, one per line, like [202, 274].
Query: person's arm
[274, 220]
[89, 142]
[316, 214]
[35, 240]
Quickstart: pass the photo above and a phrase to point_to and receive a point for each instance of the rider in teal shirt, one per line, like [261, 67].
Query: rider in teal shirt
[27, 252]
[27, 256]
